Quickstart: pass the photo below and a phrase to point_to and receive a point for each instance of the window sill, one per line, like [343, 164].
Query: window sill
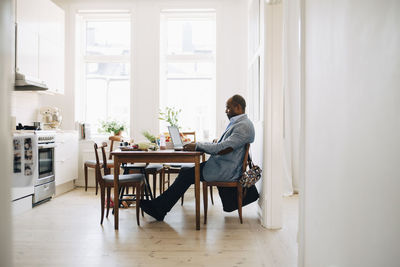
[95, 138]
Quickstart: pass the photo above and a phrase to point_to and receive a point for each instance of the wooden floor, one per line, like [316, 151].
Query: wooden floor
[66, 231]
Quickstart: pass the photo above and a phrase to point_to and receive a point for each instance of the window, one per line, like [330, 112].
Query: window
[104, 68]
[188, 49]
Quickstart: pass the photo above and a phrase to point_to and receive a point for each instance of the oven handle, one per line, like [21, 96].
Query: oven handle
[40, 146]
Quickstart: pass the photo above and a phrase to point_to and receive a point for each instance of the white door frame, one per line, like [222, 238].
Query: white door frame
[6, 79]
[271, 206]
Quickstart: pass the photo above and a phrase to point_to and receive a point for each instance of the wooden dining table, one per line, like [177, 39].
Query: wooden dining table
[160, 156]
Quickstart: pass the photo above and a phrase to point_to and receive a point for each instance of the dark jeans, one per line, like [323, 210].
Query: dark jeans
[185, 179]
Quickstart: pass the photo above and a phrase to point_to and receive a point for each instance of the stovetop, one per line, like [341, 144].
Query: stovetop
[27, 127]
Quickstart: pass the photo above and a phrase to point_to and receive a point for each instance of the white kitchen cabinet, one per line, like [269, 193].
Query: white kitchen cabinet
[66, 157]
[40, 42]
[27, 42]
[51, 45]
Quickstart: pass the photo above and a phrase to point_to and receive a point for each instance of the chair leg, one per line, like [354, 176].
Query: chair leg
[102, 193]
[205, 201]
[147, 188]
[97, 186]
[154, 184]
[169, 175]
[211, 194]
[141, 195]
[162, 179]
[108, 200]
[182, 197]
[133, 192]
[240, 197]
[138, 192]
[86, 176]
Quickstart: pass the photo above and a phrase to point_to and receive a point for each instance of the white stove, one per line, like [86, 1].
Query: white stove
[33, 166]
[44, 185]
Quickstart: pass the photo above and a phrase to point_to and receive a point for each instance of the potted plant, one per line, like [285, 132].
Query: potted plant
[112, 126]
[170, 115]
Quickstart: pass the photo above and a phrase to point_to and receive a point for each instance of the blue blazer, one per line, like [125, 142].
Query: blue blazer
[228, 167]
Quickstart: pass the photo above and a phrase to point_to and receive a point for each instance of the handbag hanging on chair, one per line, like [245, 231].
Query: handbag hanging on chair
[251, 176]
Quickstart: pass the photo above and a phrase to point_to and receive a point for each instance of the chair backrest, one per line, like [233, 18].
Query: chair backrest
[246, 157]
[192, 134]
[113, 138]
[99, 176]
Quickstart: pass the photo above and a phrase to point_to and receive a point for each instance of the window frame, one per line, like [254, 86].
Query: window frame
[165, 57]
[82, 59]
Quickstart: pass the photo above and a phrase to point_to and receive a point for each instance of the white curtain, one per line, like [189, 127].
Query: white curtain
[291, 83]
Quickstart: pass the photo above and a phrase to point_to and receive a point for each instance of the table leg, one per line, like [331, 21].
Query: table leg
[197, 191]
[116, 191]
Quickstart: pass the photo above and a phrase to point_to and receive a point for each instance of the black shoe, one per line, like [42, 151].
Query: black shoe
[149, 207]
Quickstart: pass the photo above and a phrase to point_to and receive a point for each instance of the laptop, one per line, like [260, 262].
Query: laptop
[176, 138]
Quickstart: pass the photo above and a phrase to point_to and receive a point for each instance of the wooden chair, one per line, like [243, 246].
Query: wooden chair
[176, 167]
[107, 182]
[92, 163]
[227, 184]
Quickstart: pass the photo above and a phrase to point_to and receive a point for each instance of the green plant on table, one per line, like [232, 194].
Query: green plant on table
[170, 115]
[112, 126]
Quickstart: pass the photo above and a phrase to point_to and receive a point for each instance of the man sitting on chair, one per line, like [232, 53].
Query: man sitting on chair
[224, 164]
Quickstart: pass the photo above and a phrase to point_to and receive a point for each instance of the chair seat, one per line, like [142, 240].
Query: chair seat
[179, 165]
[125, 178]
[154, 167]
[134, 165]
[93, 162]
[149, 168]
[223, 183]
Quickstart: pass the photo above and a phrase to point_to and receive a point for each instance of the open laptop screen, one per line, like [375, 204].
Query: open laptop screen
[175, 136]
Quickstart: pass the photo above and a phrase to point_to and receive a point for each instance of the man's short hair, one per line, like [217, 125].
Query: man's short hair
[238, 99]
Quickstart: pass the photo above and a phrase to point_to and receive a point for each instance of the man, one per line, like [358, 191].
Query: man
[224, 164]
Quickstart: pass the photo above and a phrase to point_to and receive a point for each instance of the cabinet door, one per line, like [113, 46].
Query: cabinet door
[46, 52]
[51, 65]
[51, 45]
[66, 157]
[27, 19]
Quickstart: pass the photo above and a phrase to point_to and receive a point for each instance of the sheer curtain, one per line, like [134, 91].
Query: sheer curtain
[291, 83]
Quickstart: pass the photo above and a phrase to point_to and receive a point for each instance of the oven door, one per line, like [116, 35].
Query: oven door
[46, 161]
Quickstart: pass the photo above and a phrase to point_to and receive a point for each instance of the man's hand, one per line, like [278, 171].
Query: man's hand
[190, 147]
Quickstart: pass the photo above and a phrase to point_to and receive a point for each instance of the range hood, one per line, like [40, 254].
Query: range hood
[26, 83]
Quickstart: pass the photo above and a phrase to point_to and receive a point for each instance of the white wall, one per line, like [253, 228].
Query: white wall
[24, 107]
[6, 79]
[350, 206]
[231, 57]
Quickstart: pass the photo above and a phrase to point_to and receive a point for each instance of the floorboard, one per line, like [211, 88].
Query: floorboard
[66, 231]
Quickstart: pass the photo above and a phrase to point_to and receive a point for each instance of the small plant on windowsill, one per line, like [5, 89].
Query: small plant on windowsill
[112, 126]
[170, 115]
